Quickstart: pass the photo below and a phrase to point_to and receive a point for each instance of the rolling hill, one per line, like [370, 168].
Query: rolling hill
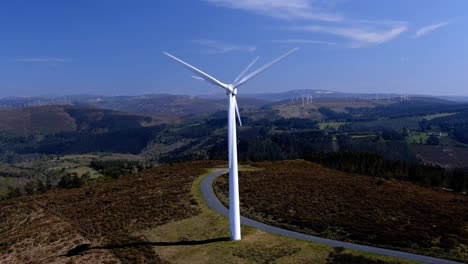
[36, 120]
[156, 216]
[313, 109]
[46, 120]
[72, 129]
[306, 197]
[175, 106]
[48, 228]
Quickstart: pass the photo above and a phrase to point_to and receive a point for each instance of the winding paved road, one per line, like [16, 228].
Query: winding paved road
[217, 206]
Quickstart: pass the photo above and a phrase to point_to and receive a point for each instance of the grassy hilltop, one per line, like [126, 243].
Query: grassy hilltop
[156, 216]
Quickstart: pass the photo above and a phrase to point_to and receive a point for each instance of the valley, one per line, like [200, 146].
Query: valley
[118, 178]
[336, 132]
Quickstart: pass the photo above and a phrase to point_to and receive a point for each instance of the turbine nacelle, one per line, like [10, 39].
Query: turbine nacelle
[233, 90]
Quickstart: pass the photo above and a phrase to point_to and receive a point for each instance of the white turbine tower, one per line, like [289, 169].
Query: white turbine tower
[231, 91]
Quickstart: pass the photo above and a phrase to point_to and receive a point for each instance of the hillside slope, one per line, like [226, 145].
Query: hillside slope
[296, 109]
[49, 228]
[153, 217]
[36, 120]
[72, 130]
[45, 120]
[306, 197]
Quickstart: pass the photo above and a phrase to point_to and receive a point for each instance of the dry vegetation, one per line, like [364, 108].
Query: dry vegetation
[95, 223]
[309, 198]
[157, 216]
[446, 156]
[203, 239]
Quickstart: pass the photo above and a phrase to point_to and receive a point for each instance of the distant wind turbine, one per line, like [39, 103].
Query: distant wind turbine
[231, 91]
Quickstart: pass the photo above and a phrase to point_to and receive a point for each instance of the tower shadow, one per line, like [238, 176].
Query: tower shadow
[81, 249]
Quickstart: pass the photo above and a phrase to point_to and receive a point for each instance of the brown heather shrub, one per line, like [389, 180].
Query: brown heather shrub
[103, 215]
[309, 198]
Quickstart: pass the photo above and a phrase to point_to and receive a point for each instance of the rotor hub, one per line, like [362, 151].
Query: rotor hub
[231, 90]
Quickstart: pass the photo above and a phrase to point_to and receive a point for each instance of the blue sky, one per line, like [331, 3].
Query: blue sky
[114, 47]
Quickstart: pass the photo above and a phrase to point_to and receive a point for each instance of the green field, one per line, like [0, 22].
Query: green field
[81, 170]
[363, 136]
[418, 138]
[334, 125]
[69, 166]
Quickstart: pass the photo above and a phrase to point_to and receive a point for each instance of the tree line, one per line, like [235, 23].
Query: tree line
[375, 165]
[110, 169]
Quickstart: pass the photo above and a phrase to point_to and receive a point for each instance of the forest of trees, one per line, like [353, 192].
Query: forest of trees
[295, 123]
[389, 149]
[375, 165]
[332, 115]
[256, 144]
[461, 133]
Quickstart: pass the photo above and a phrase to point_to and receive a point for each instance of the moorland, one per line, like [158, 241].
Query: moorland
[310, 198]
[401, 161]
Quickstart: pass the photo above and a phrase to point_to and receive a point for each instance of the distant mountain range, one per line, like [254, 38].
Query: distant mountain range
[163, 105]
[176, 106]
[327, 94]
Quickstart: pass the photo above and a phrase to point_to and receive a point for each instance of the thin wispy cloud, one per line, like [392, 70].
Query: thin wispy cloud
[428, 29]
[282, 9]
[302, 41]
[219, 47]
[357, 32]
[42, 60]
[358, 36]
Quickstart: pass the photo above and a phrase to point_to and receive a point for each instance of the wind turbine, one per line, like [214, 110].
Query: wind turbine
[231, 92]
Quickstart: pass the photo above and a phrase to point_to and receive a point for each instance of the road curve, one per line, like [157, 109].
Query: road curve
[217, 206]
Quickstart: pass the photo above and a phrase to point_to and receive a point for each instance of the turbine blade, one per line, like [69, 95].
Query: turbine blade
[264, 68]
[198, 72]
[237, 111]
[246, 69]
